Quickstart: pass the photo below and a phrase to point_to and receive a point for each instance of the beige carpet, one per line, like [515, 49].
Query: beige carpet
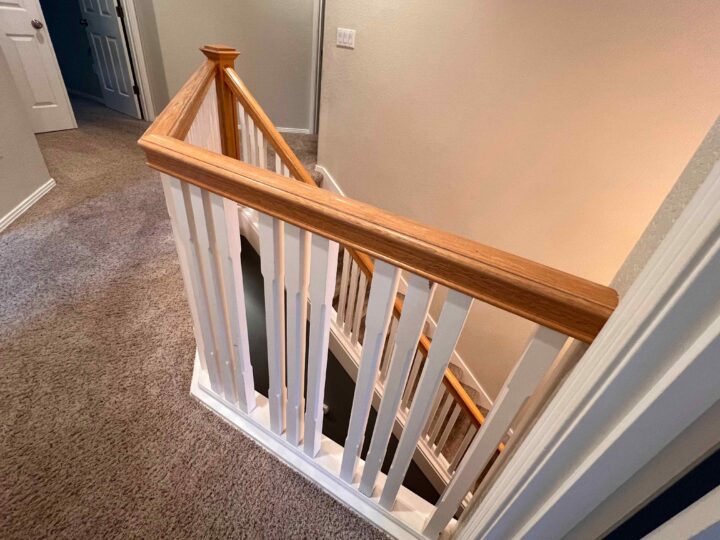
[98, 434]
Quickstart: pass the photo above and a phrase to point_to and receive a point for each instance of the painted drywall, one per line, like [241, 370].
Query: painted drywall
[273, 36]
[22, 168]
[71, 45]
[552, 130]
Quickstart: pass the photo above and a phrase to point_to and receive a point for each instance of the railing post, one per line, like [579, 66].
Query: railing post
[225, 56]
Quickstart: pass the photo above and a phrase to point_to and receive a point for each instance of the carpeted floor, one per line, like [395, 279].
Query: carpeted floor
[99, 436]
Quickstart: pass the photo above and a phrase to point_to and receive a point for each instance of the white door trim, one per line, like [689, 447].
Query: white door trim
[137, 58]
[650, 374]
[315, 64]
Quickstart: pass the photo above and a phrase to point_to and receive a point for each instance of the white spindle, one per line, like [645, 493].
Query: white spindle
[244, 139]
[432, 417]
[324, 254]
[180, 211]
[352, 293]
[437, 424]
[342, 302]
[382, 297]
[520, 384]
[415, 310]
[226, 229]
[412, 379]
[297, 268]
[388, 352]
[469, 434]
[286, 171]
[452, 320]
[449, 425]
[359, 308]
[253, 142]
[262, 150]
[278, 164]
[200, 201]
[272, 267]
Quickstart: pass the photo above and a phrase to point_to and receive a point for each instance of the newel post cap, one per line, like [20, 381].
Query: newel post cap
[220, 53]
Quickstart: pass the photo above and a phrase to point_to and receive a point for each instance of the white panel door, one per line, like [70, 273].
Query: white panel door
[107, 40]
[25, 42]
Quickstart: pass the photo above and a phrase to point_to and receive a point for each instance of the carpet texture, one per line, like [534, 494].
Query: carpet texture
[99, 436]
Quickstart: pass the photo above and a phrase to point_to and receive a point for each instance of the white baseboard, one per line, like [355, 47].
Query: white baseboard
[301, 131]
[85, 95]
[331, 184]
[25, 205]
[329, 181]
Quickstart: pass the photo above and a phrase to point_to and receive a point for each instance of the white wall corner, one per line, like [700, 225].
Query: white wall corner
[25, 205]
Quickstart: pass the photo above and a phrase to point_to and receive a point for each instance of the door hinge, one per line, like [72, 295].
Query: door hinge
[136, 89]
[119, 10]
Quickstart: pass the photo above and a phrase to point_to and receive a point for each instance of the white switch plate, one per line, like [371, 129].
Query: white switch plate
[345, 38]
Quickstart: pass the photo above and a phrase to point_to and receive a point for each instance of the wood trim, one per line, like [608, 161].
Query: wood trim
[554, 299]
[224, 58]
[175, 119]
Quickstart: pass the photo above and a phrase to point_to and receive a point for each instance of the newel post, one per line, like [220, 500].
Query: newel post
[224, 57]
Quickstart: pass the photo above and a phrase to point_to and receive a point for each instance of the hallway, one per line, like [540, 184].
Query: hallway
[100, 437]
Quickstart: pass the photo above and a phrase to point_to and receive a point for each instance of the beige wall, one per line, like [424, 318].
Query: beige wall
[552, 130]
[22, 168]
[273, 36]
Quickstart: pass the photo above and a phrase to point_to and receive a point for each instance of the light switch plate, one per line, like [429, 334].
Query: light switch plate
[345, 38]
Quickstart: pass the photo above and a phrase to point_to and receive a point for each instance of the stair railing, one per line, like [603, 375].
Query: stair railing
[300, 229]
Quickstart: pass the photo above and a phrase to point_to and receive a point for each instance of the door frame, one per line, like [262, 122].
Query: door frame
[627, 399]
[137, 58]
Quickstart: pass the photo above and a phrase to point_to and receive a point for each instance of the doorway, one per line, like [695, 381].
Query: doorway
[91, 45]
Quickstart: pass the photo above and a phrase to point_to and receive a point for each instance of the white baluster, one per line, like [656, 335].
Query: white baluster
[382, 297]
[520, 384]
[272, 267]
[389, 348]
[297, 268]
[469, 434]
[322, 286]
[412, 379]
[201, 207]
[440, 418]
[415, 310]
[286, 171]
[262, 150]
[278, 164]
[226, 228]
[359, 308]
[352, 292]
[449, 425]
[343, 288]
[254, 160]
[452, 320]
[180, 211]
[244, 139]
[432, 417]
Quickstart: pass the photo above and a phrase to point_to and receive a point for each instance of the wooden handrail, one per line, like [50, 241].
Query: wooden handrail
[568, 304]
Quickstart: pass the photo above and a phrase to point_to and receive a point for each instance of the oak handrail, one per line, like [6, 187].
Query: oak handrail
[571, 305]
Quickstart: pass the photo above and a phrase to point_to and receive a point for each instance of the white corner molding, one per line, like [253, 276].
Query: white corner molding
[651, 372]
[300, 131]
[25, 205]
[329, 181]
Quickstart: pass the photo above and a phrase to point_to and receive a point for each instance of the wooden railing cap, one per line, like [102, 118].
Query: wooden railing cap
[220, 53]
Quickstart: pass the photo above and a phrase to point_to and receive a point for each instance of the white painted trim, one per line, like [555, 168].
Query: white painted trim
[25, 205]
[651, 372]
[315, 64]
[469, 378]
[301, 131]
[329, 181]
[322, 470]
[138, 59]
[85, 95]
[699, 520]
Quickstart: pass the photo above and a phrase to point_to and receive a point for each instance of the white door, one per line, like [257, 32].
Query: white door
[107, 40]
[25, 42]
